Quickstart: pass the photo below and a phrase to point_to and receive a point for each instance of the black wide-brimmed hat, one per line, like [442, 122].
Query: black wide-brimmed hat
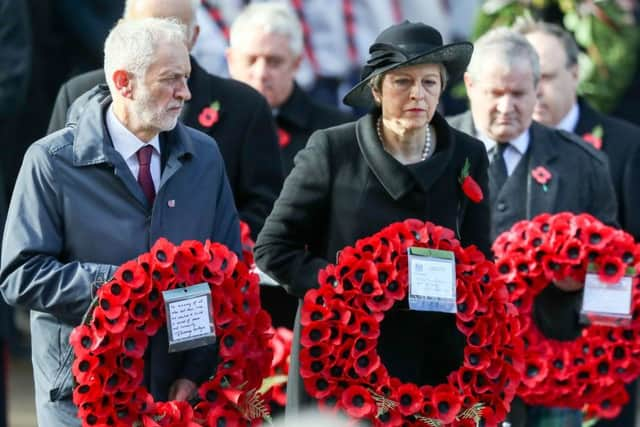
[408, 43]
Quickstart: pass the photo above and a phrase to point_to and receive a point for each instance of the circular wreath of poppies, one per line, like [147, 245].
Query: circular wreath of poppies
[339, 362]
[589, 372]
[110, 344]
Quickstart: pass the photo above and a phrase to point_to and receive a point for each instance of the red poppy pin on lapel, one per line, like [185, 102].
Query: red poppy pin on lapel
[209, 115]
[284, 138]
[542, 176]
[595, 137]
[470, 187]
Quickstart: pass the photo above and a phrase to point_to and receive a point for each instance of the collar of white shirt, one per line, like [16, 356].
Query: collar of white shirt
[125, 142]
[513, 153]
[570, 121]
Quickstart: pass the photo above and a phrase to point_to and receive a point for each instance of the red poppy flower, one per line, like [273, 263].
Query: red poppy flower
[594, 137]
[447, 403]
[315, 334]
[139, 310]
[231, 344]
[209, 115]
[535, 371]
[409, 399]
[88, 391]
[134, 343]
[541, 175]
[163, 253]
[611, 269]
[365, 364]
[83, 366]
[472, 190]
[284, 138]
[131, 274]
[314, 313]
[81, 339]
[358, 402]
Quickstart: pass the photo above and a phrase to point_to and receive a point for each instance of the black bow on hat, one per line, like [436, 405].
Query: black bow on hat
[404, 44]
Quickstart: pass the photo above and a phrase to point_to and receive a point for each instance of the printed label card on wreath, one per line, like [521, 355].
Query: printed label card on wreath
[189, 317]
[607, 303]
[432, 280]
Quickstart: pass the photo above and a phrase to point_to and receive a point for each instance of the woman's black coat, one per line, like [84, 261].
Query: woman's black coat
[344, 187]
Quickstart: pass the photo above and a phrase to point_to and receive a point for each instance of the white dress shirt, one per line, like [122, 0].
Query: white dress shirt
[127, 144]
[513, 153]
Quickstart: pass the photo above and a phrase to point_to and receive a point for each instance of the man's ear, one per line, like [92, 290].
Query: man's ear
[123, 83]
[194, 36]
[468, 81]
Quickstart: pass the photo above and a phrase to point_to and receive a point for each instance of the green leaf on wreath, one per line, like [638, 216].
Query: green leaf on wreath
[272, 381]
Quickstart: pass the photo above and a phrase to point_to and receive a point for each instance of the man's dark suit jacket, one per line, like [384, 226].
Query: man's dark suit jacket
[245, 133]
[621, 144]
[580, 182]
[299, 117]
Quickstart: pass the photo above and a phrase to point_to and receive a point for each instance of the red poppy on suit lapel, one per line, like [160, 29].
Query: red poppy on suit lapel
[209, 115]
[470, 187]
[284, 138]
[595, 137]
[542, 176]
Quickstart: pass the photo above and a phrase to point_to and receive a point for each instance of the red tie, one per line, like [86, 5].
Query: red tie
[144, 172]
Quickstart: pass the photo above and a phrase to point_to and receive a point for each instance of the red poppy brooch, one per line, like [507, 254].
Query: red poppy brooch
[470, 187]
[542, 176]
[595, 137]
[284, 138]
[110, 343]
[588, 372]
[209, 115]
[339, 361]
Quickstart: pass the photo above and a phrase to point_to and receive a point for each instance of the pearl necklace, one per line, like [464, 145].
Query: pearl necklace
[426, 150]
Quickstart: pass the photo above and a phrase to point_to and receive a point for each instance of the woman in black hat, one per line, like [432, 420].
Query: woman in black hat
[402, 160]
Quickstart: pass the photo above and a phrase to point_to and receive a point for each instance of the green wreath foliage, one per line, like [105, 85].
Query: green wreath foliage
[604, 29]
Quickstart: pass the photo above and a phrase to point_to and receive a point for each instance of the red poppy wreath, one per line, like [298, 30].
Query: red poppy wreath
[109, 345]
[588, 372]
[342, 369]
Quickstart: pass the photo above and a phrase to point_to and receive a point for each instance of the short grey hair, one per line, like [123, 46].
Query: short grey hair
[191, 25]
[506, 46]
[272, 18]
[376, 81]
[526, 26]
[132, 44]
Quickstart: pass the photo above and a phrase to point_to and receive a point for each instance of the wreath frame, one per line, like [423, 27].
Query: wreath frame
[109, 344]
[588, 372]
[340, 322]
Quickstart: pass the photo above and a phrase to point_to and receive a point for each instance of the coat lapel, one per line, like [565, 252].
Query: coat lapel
[394, 177]
[542, 154]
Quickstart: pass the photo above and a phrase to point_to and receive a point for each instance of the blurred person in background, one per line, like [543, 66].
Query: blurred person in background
[234, 114]
[559, 106]
[502, 85]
